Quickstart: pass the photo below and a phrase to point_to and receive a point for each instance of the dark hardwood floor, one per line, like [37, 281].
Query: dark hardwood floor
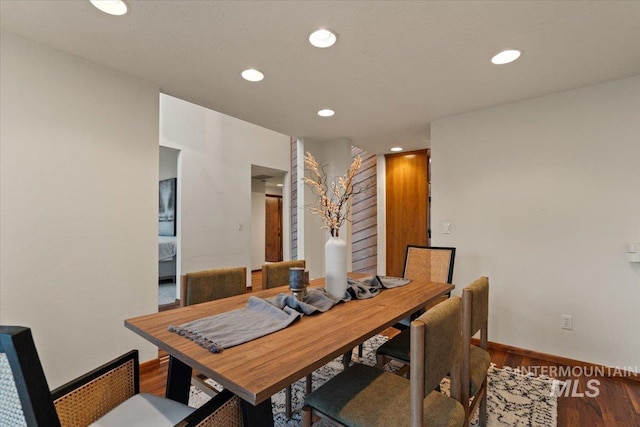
[615, 401]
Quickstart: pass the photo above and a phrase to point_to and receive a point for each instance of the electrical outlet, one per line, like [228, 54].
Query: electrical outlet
[566, 321]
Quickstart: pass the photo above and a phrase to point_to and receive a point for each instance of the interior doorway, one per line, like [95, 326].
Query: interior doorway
[267, 215]
[273, 228]
[168, 218]
[407, 206]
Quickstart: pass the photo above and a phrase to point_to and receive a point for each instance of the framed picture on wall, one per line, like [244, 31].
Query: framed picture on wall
[167, 207]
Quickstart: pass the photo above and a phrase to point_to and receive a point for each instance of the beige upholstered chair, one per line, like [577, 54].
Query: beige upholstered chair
[475, 359]
[277, 273]
[365, 396]
[209, 285]
[426, 263]
[107, 396]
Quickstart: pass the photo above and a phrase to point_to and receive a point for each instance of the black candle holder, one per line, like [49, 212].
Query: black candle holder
[298, 281]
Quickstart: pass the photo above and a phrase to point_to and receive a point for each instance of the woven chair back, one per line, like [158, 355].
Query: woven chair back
[429, 263]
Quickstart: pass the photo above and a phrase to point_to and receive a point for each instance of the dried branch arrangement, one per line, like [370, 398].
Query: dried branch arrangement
[332, 205]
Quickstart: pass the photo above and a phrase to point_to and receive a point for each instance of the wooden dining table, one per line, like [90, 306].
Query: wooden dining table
[260, 368]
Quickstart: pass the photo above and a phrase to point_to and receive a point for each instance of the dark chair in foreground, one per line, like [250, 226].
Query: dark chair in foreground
[108, 396]
[430, 263]
[366, 396]
[277, 273]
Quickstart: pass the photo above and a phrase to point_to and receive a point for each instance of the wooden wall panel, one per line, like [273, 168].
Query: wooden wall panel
[364, 231]
[407, 191]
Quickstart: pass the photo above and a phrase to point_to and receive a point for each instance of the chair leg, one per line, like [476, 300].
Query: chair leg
[288, 396]
[483, 410]
[360, 350]
[346, 359]
[308, 385]
[306, 417]
[287, 402]
[381, 360]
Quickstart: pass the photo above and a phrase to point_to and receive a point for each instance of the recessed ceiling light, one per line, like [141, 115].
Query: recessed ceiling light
[506, 56]
[394, 149]
[112, 7]
[280, 185]
[326, 113]
[323, 38]
[252, 75]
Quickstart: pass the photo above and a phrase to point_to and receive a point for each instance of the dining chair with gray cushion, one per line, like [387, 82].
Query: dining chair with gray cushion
[105, 397]
[431, 263]
[366, 396]
[475, 359]
[277, 273]
[209, 285]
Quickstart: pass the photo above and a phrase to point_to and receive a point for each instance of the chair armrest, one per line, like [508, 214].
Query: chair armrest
[223, 410]
[87, 398]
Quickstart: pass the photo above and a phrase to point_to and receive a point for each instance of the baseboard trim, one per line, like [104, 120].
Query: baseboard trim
[565, 361]
[153, 364]
[149, 366]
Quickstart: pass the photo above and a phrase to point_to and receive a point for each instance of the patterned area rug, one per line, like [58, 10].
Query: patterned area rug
[513, 399]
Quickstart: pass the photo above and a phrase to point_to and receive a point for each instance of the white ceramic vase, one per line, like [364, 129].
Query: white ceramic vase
[335, 266]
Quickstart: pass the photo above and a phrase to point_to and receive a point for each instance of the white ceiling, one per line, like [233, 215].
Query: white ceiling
[397, 65]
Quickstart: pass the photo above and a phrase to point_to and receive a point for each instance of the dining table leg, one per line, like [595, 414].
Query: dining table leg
[260, 415]
[178, 381]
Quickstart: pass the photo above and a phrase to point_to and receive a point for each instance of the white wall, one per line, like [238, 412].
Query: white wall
[168, 163]
[78, 203]
[543, 195]
[217, 152]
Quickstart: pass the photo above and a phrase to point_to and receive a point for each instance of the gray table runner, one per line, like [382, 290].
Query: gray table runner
[369, 287]
[265, 316]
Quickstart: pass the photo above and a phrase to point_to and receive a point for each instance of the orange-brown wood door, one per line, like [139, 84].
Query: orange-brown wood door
[407, 205]
[273, 226]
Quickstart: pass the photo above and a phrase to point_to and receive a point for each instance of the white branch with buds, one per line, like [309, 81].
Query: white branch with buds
[332, 205]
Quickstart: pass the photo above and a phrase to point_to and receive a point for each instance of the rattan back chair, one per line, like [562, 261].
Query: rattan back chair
[365, 396]
[430, 263]
[107, 396]
[209, 285]
[277, 273]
